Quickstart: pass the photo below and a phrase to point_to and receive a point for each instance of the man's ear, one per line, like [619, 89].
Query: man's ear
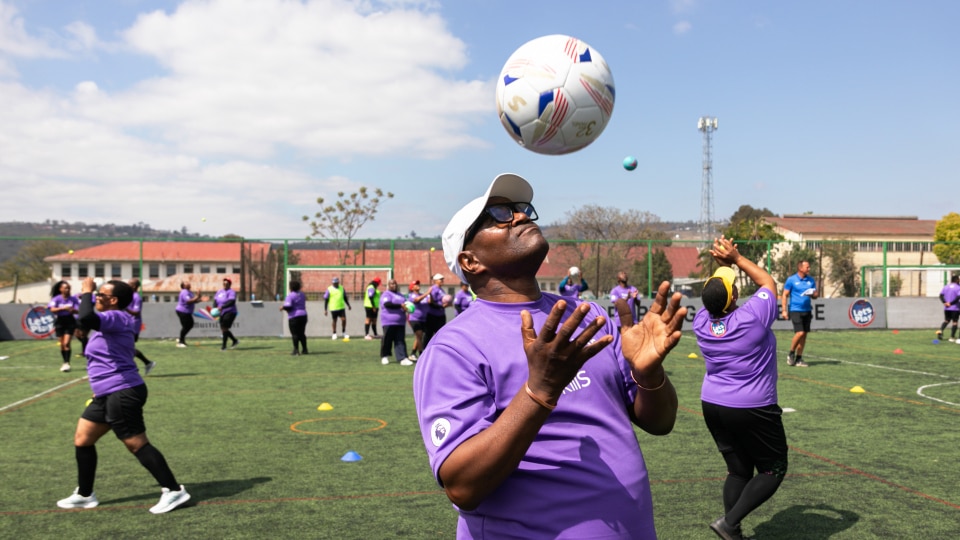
[469, 263]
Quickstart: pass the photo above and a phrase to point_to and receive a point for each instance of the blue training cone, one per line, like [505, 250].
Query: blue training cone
[936, 341]
[351, 456]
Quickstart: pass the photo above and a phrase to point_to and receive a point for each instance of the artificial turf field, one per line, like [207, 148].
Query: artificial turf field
[242, 430]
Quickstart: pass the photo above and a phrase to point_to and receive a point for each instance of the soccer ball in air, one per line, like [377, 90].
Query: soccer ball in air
[555, 95]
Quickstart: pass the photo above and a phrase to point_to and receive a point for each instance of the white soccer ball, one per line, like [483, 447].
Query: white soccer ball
[555, 95]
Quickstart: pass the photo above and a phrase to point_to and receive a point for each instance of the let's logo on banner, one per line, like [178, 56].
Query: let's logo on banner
[38, 322]
[861, 313]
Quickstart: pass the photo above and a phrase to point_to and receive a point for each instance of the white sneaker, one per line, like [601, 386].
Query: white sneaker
[368, 337]
[412, 357]
[149, 368]
[182, 345]
[406, 362]
[333, 337]
[385, 360]
[79, 501]
[346, 337]
[170, 500]
[65, 367]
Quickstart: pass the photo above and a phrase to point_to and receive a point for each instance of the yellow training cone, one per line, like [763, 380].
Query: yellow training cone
[692, 355]
[857, 390]
[328, 407]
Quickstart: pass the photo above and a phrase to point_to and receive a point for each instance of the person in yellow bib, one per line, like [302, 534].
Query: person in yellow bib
[371, 307]
[335, 302]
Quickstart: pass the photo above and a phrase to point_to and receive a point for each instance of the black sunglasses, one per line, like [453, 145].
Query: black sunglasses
[501, 213]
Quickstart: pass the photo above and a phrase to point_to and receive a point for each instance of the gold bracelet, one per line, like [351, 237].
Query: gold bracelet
[640, 386]
[537, 398]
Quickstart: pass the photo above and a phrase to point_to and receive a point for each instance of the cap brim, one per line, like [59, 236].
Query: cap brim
[508, 185]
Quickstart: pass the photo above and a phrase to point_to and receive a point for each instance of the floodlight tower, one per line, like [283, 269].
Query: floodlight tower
[707, 125]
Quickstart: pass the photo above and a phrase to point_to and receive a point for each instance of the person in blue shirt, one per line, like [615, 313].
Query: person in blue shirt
[798, 292]
[572, 285]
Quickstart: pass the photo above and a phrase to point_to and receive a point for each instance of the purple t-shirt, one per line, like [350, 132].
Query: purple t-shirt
[420, 313]
[583, 476]
[59, 301]
[625, 293]
[392, 316]
[183, 302]
[435, 307]
[222, 297]
[462, 300]
[950, 294]
[109, 353]
[296, 302]
[740, 351]
[136, 306]
[569, 288]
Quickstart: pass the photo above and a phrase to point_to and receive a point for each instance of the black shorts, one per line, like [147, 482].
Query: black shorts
[226, 320]
[338, 313]
[65, 326]
[756, 433]
[951, 316]
[370, 312]
[417, 326]
[801, 320]
[121, 410]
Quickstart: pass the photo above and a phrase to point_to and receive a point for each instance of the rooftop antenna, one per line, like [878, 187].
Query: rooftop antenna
[707, 125]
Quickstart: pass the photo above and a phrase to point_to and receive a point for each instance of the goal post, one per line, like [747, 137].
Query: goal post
[314, 280]
[895, 280]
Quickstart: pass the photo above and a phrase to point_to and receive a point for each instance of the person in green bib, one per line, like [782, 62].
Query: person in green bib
[335, 302]
[371, 306]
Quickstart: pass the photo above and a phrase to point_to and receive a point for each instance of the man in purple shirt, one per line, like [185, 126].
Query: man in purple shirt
[572, 285]
[119, 395]
[186, 303]
[295, 304]
[64, 307]
[739, 392]
[626, 292]
[136, 308]
[393, 318]
[950, 296]
[226, 301]
[527, 401]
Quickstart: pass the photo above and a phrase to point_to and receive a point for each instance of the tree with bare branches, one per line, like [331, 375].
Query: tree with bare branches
[343, 219]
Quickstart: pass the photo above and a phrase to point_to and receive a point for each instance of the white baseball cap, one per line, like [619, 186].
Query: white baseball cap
[508, 185]
[437, 276]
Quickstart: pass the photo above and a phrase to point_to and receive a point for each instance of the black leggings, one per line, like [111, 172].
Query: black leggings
[298, 332]
[186, 324]
[748, 439]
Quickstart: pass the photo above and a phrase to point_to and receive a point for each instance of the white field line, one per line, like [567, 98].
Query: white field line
[912, 371]
[41, 394]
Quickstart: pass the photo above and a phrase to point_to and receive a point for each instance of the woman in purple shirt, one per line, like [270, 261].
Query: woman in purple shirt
[226, 301]
[295, 304]
[119, 395]
[417, 319]
[739, 393]
[64, 307]
[186, 304]
[393, 318]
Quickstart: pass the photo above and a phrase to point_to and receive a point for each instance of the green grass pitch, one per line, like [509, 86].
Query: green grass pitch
[242, 430]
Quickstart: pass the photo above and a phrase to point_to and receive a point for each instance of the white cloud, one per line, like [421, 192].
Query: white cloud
[682, 28]
[242, 81]
[683, 6]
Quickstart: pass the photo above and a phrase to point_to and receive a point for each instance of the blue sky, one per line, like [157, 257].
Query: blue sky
[243, 112]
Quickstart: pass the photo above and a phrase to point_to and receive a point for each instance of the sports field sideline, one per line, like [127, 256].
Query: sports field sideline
[243, 432]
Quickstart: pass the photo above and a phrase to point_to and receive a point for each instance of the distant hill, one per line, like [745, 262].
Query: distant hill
[15, 234]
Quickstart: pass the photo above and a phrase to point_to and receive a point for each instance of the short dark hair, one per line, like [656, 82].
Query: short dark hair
[294, 285]
[714, 296]
[955, 278]
[123, 292]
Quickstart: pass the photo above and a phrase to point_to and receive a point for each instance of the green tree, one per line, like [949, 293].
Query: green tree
[786, 264]
[343, 219]
[947, 230]
[28, 266]
[843, 272]
[753, 234]
[661, 267]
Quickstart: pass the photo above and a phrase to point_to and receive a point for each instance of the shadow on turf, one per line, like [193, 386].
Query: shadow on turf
[810, 522]
[203, 491]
